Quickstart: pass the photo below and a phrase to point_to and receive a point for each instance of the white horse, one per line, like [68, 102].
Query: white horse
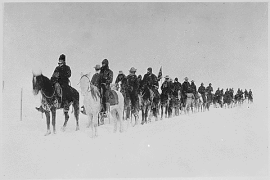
[91, 102]
[116, 111]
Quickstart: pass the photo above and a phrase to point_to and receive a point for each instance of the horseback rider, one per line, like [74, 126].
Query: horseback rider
[60, 80]
[166, 87]
[140, 83]
[250, 94]
[96, 77]
[209, 90]
[150, 80]
[246, 93]
[193, 88]
[106, 78]
[202, 90]
[185, 86]
[177, 87]
[121, 77]
[132, 92]
[217, 95]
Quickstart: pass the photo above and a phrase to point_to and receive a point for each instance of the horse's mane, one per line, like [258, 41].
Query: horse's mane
[94, 92]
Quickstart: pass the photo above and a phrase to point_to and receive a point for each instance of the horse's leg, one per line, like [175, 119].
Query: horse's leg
[76, 107]
[120, 118]
[53, 119]
[95, 122]
[161, 117]
[90, 118]
[48, 123]
[115, 121]
[66, 120]
[143, 115]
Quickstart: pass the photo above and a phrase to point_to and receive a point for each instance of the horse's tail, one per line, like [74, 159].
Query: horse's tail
[76, 104]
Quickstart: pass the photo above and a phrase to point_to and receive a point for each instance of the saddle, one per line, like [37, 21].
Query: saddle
[113, 97]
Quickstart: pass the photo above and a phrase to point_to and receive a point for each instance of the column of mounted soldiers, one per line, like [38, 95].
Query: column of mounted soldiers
[141, 91]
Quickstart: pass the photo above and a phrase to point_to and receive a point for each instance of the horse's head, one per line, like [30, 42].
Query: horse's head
[84, 83]
[37, 82]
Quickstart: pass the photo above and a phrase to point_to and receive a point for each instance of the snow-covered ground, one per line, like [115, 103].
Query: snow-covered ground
[218, 143]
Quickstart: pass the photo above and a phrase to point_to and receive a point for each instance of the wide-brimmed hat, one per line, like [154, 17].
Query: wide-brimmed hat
[97, 67]
[132, 69]
[167, 77]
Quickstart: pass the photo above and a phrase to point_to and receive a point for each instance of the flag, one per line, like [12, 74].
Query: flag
[160, 73]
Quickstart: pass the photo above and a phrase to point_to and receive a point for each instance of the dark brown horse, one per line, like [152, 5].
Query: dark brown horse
[49, 101]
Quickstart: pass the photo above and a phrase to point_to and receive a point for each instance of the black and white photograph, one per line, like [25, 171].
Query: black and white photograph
[134, 90]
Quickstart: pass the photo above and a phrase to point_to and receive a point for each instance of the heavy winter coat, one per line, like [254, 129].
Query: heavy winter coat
[61, 75]
[201, 90]
[106, 76]
[95, 80]
[185, 86]
[150, 80]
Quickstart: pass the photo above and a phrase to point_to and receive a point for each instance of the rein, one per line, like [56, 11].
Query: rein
[88, 80]
[42, 92]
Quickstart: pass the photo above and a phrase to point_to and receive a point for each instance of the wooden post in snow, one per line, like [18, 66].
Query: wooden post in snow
[21, 103]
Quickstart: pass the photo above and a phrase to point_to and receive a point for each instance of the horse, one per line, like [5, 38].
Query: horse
[250, 98]
[176, 103]
[49, 101]
[208, 100]
[200, 105]
[149, 102]
[197, 102]
[189, 102]
[116, 109]
[91, 102]
[165, 99]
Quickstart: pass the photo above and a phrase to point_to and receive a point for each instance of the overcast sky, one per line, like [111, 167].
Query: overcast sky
[222, 43]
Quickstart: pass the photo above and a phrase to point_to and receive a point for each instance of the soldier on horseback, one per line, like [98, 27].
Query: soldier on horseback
[193, 88]
[250, 96]
[106, 78]
[202, 90]
[132, 92]
[209, 89]
[167, 89]
[150, 81]
[185, 86]
[60, 80]
[177, 86]
[121, 78]
[246, 93]
[96, 77]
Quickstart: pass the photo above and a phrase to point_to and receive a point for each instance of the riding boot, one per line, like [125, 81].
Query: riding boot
[40, 109]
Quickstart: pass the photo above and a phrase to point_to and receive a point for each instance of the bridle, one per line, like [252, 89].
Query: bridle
[88, 88]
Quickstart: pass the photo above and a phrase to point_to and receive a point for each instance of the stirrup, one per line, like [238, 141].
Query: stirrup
[40, 109]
